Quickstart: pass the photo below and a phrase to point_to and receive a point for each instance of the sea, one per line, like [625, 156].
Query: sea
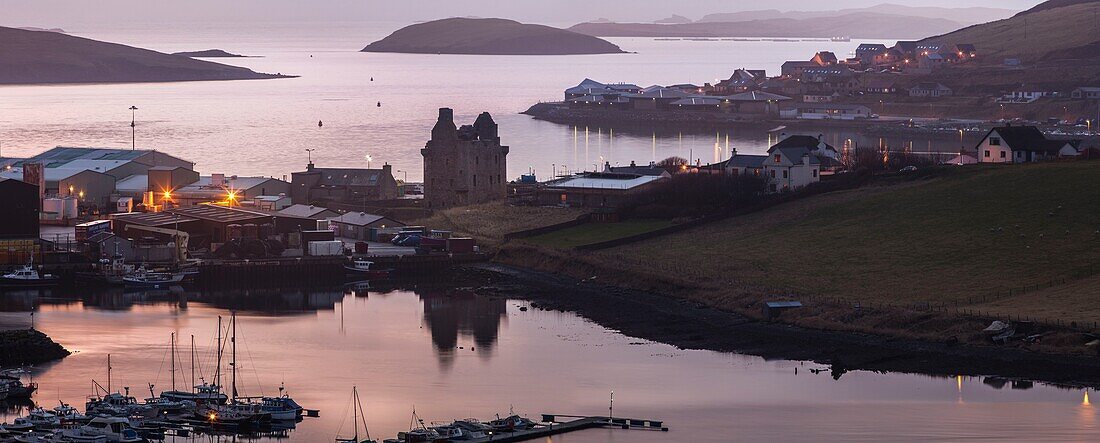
[380, 108]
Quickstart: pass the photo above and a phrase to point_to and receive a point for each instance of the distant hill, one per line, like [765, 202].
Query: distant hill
[673, 20]
[861, 25]
[490, 36]
[962, 16]
[209, 53]
[1048, 32]
[49, 57]
[32, 28]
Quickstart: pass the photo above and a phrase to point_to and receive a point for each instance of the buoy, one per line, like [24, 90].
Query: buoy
[320, 123]
[379, 104]
[372, 79]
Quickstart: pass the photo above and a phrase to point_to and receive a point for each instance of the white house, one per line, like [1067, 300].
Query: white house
[796, 161]
[1021, 144]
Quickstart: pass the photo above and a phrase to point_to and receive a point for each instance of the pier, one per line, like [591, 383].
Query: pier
[555, 426]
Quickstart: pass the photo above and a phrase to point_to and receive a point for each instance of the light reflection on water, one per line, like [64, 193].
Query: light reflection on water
[453, 354]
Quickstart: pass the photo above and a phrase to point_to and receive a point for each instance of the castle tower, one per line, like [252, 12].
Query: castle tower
[464, 166]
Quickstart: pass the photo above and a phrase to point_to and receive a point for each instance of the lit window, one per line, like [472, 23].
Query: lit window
[994, 141]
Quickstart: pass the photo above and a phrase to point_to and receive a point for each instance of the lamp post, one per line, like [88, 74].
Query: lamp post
[404, 175]
[133, 128]
[309, 155]
[369, 158]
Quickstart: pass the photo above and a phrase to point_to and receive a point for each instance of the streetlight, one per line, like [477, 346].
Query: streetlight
[309, 155]
[369, 158]
[404, 175]
[133, 128]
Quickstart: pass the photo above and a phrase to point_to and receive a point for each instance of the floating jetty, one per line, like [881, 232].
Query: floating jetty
[553, 424]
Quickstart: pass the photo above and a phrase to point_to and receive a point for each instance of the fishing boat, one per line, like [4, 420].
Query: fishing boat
[18, 425]
[76, 435]
[15, 387]
[27, 276]
[108, 271]
[281, 407]
[104, 402]
[143, 278]
[115, 429]
[43, 419]
[512, 423]
[418, 433]
[34, 436]
[472, 429]
[68, 414]
[357, 418]
[364, 269]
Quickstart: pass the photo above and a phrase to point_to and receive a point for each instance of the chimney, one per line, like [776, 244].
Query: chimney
[806, 159]
[387, 169]
[782, 136]
[217, 180]
[733, 152]
[607, 167]
[445, 126]
[309, 167]
[632, 164]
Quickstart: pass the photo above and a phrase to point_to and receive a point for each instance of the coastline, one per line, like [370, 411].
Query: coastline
[28, 346]
[687, 324]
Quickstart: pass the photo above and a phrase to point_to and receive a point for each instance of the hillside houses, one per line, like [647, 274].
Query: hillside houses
[709, 99]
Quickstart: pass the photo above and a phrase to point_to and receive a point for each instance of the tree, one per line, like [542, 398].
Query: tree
[672, 161]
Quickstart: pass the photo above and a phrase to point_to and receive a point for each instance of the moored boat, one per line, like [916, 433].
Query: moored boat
[115, 429]
[28, 277]
[365, 269]
[143, 278]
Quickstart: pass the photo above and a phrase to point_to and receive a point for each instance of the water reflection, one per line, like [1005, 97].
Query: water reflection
[451, 315]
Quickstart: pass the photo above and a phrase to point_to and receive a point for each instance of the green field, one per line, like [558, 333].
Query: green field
[589, 233]
[983, 231]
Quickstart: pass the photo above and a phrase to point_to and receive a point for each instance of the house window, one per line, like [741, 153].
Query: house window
[986, 153]
[784, 174]
[1019, 154]
[778, 158]
[773, 173]
[1002, 154]
[475, 180]
[994, 141]
[813, 173]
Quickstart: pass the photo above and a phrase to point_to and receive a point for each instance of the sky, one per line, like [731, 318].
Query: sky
[61, 13]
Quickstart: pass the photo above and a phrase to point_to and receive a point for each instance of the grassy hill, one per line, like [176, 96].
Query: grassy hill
[1048, 32]
[978, 231]
[52, 57]
[490, 36]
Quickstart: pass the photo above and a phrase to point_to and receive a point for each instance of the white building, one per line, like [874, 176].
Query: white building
[1021, 144]
[796, 162]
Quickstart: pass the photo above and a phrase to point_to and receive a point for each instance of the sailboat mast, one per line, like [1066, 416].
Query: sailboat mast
[233, 363]
[355, 412]
[192, 363]
[109, 373]
[172, 349]
[218, 345]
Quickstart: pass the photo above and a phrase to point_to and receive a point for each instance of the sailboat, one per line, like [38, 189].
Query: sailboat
[202, 393]
[357, 417]
[236, 412]
[418, 433]
[111, 403]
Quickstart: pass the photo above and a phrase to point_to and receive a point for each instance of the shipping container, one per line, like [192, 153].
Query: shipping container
[85, 230]
[457, 245]
[326, 248]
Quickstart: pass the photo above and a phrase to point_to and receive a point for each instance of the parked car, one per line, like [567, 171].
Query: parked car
[909, 168]
[412, 240]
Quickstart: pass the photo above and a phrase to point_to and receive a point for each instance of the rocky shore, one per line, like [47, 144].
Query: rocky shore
[691, 325]
[28, 346]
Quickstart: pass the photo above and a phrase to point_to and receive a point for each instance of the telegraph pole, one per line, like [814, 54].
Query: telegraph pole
[133, 128]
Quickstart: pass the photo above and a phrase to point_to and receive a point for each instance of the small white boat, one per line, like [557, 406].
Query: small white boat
[18, 425]
[115, 429]
[28, 276]
[43, 419]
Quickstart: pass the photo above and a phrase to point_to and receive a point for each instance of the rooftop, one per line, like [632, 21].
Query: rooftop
[357, 218]
[613, 181]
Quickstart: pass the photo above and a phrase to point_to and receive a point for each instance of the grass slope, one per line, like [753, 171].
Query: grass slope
[28, 57]
[490, 36]
[1066, 32]
[589, 233]
[975, 233]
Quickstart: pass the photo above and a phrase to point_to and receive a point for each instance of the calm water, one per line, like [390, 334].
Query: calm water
[453, 354]
[264, 127]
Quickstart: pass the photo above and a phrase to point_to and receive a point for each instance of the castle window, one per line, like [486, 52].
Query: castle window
[477, 160]
[475, 180]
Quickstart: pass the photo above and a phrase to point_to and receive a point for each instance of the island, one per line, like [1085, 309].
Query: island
[489, 36]
[33, 57]
[209, 53]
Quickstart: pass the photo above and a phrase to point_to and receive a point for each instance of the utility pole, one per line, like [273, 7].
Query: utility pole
[133, 128]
